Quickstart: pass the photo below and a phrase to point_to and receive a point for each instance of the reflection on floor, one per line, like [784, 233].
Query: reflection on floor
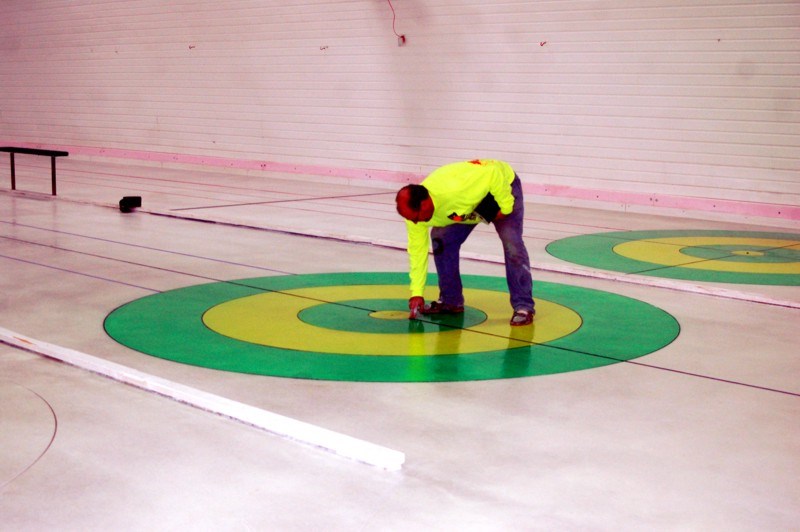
[699, 434]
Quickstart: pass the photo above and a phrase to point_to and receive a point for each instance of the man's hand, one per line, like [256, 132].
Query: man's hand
[499, 216]
[415, 305]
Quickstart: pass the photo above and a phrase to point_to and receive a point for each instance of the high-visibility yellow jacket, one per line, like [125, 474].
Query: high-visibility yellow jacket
[456, 189]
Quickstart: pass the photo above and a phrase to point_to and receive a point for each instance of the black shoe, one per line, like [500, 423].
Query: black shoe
[437, 307]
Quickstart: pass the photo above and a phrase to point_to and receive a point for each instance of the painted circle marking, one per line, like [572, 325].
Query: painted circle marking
[389, 315]
[332, 333]
[266, 318]
[748, 257]
[671, 252]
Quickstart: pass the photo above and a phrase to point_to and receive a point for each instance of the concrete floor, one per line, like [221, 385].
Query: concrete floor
[703, 435]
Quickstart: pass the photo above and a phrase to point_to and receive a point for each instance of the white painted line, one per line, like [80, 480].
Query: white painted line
[306, 433]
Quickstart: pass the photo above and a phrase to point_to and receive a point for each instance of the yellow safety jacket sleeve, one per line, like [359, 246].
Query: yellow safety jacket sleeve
[456, 189]
[418, 245]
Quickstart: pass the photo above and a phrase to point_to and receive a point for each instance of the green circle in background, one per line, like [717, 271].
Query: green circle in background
[598, 251]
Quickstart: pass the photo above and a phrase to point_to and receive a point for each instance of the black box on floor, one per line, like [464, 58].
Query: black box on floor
[128, 203]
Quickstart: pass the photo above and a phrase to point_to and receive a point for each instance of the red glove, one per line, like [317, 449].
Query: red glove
[500, 216]
[415, 304]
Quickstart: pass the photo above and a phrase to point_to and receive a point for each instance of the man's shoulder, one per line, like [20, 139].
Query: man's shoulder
[459, 168]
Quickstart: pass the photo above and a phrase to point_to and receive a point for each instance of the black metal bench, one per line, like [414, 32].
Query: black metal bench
[33, 151]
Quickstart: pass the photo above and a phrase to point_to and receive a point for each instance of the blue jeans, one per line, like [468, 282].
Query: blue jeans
[447, 242]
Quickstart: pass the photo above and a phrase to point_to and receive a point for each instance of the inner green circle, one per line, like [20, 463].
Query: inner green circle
[614, 329]
[742, 253]
[354, 316]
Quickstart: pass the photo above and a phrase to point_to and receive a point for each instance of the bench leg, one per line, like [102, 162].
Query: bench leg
[13, 175]
[53, 174]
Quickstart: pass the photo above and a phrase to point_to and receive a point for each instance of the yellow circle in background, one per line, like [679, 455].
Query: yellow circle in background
[271, 319]
[667, 251]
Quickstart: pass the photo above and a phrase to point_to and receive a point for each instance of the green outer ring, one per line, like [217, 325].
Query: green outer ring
[169, 325]
[597, 251]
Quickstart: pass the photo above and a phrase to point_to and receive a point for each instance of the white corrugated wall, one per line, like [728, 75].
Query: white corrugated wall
[689, 98]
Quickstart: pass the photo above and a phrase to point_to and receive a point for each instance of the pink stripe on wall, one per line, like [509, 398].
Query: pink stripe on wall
[743, 208]
[241, 164]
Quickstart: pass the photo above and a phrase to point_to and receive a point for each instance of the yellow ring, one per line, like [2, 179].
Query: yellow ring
[271, 319]
[666, 251]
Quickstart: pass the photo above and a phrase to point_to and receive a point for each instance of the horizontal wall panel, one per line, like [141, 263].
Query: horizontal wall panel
[694, 98]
